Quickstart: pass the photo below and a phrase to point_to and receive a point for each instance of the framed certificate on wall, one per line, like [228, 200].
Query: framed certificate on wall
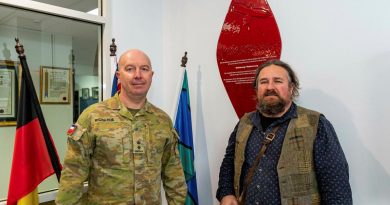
[8, 92]
[55, 85]
[95, 93]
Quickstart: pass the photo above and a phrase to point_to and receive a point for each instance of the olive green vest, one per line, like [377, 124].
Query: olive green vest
[297, 181]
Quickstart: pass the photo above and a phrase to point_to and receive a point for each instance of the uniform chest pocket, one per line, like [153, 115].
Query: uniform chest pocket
[156, 146]
[112, 148]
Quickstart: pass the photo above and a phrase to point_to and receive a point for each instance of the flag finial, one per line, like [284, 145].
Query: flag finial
[113, 48]
[19, 48]
[184, 60]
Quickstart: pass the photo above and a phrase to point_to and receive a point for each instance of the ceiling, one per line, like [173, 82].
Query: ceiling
[84, 35]
[79, 5]
[51, 24]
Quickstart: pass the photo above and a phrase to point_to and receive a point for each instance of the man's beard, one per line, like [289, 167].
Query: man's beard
[271, 108]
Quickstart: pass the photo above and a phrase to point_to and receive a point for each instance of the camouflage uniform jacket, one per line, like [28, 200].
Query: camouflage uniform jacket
[123, 158]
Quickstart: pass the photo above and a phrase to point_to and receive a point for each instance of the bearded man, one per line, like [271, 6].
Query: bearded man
[282, 153]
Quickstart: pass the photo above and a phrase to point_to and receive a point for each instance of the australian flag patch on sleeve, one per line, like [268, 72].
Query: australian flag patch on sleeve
[71, 129]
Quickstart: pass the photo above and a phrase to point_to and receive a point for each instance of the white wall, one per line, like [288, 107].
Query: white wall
[138, 24]
[340, 50]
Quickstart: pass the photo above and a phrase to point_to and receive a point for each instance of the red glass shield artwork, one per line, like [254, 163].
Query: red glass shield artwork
[249, 37]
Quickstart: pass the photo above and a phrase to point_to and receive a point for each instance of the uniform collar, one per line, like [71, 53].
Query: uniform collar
[114, 103]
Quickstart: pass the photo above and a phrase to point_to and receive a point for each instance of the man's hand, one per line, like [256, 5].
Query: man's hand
[229, 200]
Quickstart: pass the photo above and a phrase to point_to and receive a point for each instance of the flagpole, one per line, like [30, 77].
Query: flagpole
[113, 49]
[27, 77]
[184, 60]
[183, 126]
[114, 64]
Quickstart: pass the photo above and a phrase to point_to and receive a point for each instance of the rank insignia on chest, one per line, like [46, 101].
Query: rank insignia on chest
[71, 129]
[138, 145]
[138, 149]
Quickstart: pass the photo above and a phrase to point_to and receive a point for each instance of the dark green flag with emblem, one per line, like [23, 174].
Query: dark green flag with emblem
[183, 126]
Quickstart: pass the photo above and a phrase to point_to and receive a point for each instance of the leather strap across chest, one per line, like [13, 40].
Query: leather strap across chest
[248, 178]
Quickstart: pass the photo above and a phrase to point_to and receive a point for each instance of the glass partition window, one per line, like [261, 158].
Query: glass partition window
[63, 57]
[87, 6]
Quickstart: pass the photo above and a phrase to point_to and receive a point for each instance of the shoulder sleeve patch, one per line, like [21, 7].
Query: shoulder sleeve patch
[75, 132]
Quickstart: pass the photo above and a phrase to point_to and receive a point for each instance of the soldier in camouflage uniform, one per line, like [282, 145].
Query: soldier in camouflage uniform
[123, 147]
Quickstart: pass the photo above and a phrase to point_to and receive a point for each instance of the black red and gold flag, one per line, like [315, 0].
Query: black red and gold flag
[35, 157]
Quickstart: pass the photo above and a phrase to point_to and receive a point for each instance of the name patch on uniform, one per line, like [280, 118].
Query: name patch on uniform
[104, 120]
[138, 150]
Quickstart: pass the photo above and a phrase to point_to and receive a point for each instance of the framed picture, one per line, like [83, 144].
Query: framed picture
[95, 93]
[55, 85]
[8, 92]
[85, 93]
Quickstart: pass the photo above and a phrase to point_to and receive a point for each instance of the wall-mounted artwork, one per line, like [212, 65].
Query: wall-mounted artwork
[95, 93]
[85, 93]
[249, 37]
[55, 85]
[8, 92]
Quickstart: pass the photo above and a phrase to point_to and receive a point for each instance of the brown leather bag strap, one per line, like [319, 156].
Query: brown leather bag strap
[248, 178]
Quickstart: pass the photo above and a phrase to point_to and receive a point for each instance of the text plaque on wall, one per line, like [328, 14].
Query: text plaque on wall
[249, 37]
